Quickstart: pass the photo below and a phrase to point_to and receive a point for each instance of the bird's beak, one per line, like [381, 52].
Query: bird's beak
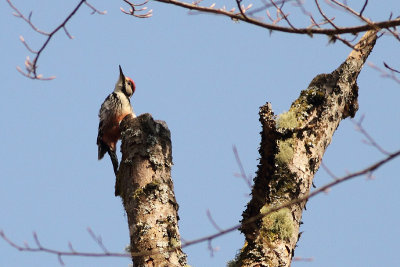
[121, 74]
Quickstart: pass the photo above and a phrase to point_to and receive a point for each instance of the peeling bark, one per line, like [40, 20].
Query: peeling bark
[291, 151]
[145, 186]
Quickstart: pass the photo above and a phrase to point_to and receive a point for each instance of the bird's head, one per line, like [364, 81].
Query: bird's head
[125, 84]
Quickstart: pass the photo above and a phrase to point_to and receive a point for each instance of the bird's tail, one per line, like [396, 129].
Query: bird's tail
[102, 149]
[114, 160]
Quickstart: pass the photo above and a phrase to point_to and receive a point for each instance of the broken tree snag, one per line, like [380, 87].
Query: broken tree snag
[291, 151]
[145, 186]
[267, 150]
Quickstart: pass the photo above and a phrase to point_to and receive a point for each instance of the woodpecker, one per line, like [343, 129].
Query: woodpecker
[114, 108]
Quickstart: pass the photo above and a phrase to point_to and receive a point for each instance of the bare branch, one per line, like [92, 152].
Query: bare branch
[333, 39]
[134, 8]
[315, 28]
[267, 5]
[213, 221]
[98, 240]
[221, 232]
[67, 33]
[385, 74]
[368, 21]
[330, 21]
[59, 253]
[60, 260]
[95, 10]
[303, 259]
[21, 38]
[325, 188]
[242, 174]
[211, 248]
[390, 68]
[364, 6]
[370, 140]
[70, 247]
[273, 27]
[238, 3]
[328, 171]
[18, 14]
[351, 11]
[31, 66]
[284, 16]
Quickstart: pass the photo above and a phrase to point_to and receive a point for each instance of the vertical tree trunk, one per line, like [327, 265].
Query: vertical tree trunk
[291, 150]
[145, 186]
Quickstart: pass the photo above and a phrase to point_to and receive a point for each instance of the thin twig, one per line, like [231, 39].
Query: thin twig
[384, 74]
[213, 221]
[98, 240]
[303, 259]
[266, 6]
[285, 16]
[330, 21]
[208, 238]
[28, 20]
[242, 174]
[328, 171]
[325, 188]
[134, 9]
[59, 253]
[370, 141]
[390, 68]
[364, 6]
[238, 3]
[324, 31]
[366, 20]
[31, 66]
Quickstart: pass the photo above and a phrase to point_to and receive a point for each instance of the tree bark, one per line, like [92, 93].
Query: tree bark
[145, 186]
[291, 151]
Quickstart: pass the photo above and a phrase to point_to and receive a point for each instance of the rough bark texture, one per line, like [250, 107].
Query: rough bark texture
[145, 186]
[291, 150]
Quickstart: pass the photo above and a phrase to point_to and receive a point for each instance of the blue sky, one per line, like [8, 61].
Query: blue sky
[206, 76]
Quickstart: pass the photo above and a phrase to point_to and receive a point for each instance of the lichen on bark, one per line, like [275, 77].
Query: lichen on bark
[291, 151]
[146, 188]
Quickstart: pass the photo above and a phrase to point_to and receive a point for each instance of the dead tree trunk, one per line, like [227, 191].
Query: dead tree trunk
[291, 150]
[145, 186]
